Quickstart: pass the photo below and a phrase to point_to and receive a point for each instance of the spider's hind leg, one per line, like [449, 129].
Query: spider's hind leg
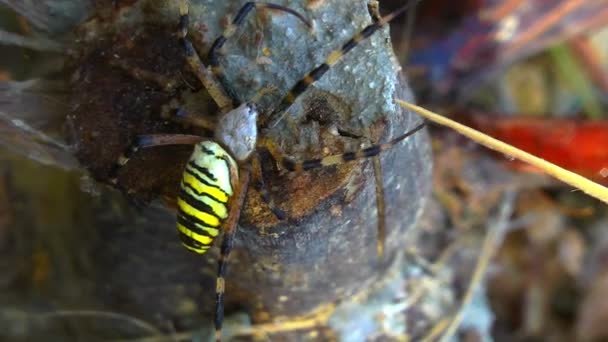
[368, 152]
[380, 204]
[230, 227]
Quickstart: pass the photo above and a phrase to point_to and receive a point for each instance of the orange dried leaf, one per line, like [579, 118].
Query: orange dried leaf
[576, 145]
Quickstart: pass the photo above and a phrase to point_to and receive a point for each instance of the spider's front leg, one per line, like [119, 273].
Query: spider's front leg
[146, 141]
[220, 95]
[214, 80]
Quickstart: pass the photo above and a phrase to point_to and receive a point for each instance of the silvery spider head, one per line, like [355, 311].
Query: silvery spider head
[237, 131]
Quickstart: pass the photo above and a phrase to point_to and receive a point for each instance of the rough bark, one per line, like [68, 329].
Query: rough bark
[325, 252]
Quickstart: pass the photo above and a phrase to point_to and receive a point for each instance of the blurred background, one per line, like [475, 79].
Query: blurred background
[533, 74]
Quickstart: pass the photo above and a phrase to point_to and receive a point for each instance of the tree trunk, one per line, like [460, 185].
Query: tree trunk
[325, 254]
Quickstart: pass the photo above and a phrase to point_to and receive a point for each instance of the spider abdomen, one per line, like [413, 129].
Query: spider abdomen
[204, 195]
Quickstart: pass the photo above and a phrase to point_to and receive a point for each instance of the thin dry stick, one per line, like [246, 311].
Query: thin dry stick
[33, 43]
[149, 328]
[265, 329]
[446, 327]
[437, 329]
[500, 11]
[105, 314]
[544, 23]
[589, 187]
[490, 245]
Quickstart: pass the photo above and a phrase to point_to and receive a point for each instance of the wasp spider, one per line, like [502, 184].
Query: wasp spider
[218, 173]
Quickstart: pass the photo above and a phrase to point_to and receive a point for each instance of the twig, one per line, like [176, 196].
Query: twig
[87, 313]
[40, 44]
[317, 320]
[590, 60]
[492, 241]
[500, 11]
[589, 187]
[544, 23]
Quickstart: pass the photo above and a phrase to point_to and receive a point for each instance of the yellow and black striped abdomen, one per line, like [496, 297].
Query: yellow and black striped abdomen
[204, 195]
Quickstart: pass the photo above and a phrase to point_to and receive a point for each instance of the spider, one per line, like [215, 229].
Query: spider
[217, 175]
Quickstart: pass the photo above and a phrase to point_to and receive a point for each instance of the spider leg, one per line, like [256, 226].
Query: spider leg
[261, 187]
[150, 140]
[367, 152]
[229, 227]
[380, 205]
[238, 20]
[219, 94]
[370, 152]
[333, 58]
[168, 84]
[180, 115]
